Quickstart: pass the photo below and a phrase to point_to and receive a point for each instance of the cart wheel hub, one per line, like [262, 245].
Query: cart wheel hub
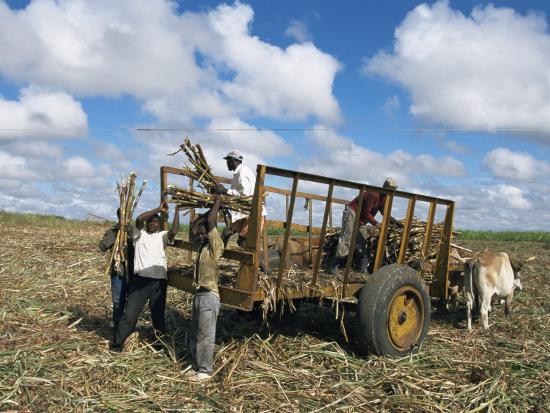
[405, 317]
[402, 318]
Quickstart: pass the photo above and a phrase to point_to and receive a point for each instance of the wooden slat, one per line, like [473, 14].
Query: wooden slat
[273, 224]
[310, 213]
[353, 241]
[242, 255]
[229, 296]
[191, 219]
[290, 212]
[406, 231]
[286, 205]
[247, 279]
[182, 172]
[323, 233]
[441, 274]
[306, 195]
[429, 226]
[383, 232]
[163, 184]
[270, 170]
[266, 256]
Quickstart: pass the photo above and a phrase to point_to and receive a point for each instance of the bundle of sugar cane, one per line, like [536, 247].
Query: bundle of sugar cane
[192, 199]
[202, 173]
[415, 244]
[126, 189]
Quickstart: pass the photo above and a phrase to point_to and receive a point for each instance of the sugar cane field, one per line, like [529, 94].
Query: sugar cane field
[55, 327]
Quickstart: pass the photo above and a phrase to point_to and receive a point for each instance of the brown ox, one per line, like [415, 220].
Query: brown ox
[297, 253]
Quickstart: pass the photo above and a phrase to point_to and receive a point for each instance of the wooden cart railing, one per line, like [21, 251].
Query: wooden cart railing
[245, 292]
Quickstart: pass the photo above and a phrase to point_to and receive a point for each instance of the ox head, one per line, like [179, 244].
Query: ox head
[517, 266]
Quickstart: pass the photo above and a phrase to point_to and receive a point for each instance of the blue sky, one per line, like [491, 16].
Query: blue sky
[450, 98]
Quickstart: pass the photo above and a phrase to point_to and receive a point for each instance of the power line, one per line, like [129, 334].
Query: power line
[260, 129]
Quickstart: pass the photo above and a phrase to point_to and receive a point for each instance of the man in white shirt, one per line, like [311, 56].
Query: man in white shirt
[243, 184]
[150, 273]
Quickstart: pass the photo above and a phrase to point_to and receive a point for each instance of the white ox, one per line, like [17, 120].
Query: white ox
[486, 275]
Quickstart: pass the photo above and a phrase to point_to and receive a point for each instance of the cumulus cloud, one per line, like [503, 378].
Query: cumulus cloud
[516, 166]
[180, 66]
[298, 30]
[14, 167]
[219, 137]
[340, 156]
[508, 195]
[40, 113]
[34, 149]
[485, 70]
[77, 167]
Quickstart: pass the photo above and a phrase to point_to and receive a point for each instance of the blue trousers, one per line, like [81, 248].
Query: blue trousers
[118, 294]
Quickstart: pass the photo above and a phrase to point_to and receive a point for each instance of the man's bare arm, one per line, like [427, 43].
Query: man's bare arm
[212, 220]
[175, 225]
[140, 220]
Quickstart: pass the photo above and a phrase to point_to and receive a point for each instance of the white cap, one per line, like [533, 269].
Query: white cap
[235, 154]
[390, 183]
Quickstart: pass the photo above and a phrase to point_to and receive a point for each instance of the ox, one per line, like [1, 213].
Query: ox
[297, 254]
[486, 275]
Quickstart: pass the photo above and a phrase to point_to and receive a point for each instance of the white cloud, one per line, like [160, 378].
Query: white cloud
[487, 70]
[298, 30]
[41, 113]
[34, 149]
[455, 147]
[391, 105]
[340, 157]
[508, 195]
[181, 66]
[220, 136]
[14, 167]
[77, 167]
[515, 166]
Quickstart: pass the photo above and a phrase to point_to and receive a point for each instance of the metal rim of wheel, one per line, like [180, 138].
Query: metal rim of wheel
[405, 317]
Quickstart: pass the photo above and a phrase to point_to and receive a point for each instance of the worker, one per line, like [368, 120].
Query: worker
[206, 302]
[243, 184]
[373, 202]
[150, 273]
[118, 274]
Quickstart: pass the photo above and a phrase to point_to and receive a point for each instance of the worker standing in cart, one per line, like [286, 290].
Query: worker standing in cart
[243, 184]
[373, 202]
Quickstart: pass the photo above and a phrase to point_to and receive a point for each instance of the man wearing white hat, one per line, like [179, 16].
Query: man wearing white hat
[243, 184]
[373, 202]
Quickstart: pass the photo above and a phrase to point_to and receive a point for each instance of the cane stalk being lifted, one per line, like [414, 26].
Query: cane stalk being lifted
[128, 203]
[192, 199]
[202, 172]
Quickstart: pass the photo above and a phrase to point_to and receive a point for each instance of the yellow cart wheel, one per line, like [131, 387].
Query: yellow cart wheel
[393, 312]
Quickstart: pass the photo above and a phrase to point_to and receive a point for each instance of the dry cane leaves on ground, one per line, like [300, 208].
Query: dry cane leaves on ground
[54, 330]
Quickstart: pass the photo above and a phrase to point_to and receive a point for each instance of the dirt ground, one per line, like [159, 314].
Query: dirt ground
[55, 327]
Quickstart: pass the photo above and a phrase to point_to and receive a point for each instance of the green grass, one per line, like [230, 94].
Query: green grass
[510, 236]
[33, 219]
[464, 234]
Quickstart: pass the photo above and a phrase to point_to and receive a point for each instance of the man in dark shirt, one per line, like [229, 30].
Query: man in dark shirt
[118, 278]
[206, 303]
[373, 202]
